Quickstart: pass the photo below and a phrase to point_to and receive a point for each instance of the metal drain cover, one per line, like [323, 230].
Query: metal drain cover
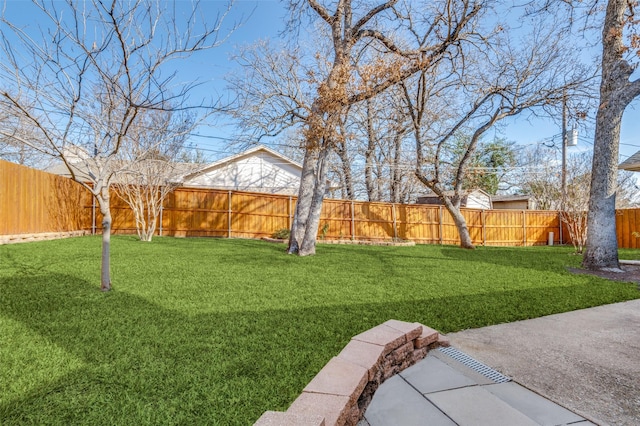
[476, 366]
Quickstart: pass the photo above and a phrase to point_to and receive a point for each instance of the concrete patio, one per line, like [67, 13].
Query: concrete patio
[586, 361]
[450, 388]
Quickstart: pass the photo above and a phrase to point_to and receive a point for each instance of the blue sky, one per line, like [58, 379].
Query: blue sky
[265, 19]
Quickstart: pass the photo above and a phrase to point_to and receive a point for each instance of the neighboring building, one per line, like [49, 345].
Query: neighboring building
[632, 163]
[474, 199]
[513, 202]
[259, 169]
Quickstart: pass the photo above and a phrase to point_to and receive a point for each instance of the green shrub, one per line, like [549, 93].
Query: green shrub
[281, 234]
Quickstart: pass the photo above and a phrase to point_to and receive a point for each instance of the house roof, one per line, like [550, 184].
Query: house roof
[216, 164]
[632, 163]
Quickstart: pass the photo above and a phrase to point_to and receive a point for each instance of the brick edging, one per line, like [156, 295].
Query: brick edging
[341, 392]
[24, 238]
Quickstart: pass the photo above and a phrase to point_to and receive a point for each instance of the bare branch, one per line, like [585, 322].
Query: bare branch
[369, 15]
[322, 12]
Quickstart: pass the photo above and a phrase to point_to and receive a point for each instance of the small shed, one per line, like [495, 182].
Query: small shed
[473, 199]
[513, 202]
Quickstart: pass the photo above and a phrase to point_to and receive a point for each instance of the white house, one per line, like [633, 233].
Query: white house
[259, 169]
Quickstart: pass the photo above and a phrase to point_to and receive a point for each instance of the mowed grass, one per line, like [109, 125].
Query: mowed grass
[215, 332]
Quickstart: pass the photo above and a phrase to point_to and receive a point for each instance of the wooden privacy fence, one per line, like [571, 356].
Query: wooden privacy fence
[627, 223]
[195, 212]
[32, 201]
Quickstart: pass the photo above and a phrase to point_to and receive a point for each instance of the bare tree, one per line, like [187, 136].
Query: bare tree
[505, 78]
[373, 161]
[576, 199]
[84, 80]
[360, 51]
[443, 26]
[342, 168]
[384, 128]
[149, 166]
[14, 129]
[617, 90]
[538, 175]
[627, 190]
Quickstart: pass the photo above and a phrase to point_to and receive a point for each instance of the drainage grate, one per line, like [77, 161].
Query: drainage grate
[476, 366]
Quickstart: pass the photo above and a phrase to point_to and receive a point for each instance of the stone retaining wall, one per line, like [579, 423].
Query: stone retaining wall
[340, 393]
[24, 238]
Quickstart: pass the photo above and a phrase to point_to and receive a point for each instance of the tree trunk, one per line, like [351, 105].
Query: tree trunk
[602, 241]
[372, 193]
[105, 266]
[306, 221]
[305, 195]
[372, 190]
[396, 176]
[308, 246]
[346, 171]
[453, 207]
[151, 226]
[461, 224]
[616, 92]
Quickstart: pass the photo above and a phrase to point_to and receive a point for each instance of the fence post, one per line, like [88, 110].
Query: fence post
[93, 215]
[524, 228]
[229, 217]
[440, 227]
[353, 221]
[290, 215]
[161, 210]
[560, 226]
[484, 228]
[395, 222]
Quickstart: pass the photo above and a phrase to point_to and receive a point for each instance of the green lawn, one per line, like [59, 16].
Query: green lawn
[208, 331]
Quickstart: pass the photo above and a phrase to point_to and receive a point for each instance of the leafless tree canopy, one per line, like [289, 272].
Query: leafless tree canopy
[504, 76]
[81, 82]
[376, 75]
[149, 166]
[361, 50]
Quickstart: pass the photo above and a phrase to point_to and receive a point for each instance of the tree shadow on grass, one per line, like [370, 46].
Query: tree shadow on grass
[144, 364]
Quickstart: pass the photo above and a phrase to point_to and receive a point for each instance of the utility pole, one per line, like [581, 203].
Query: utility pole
[564, 150]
